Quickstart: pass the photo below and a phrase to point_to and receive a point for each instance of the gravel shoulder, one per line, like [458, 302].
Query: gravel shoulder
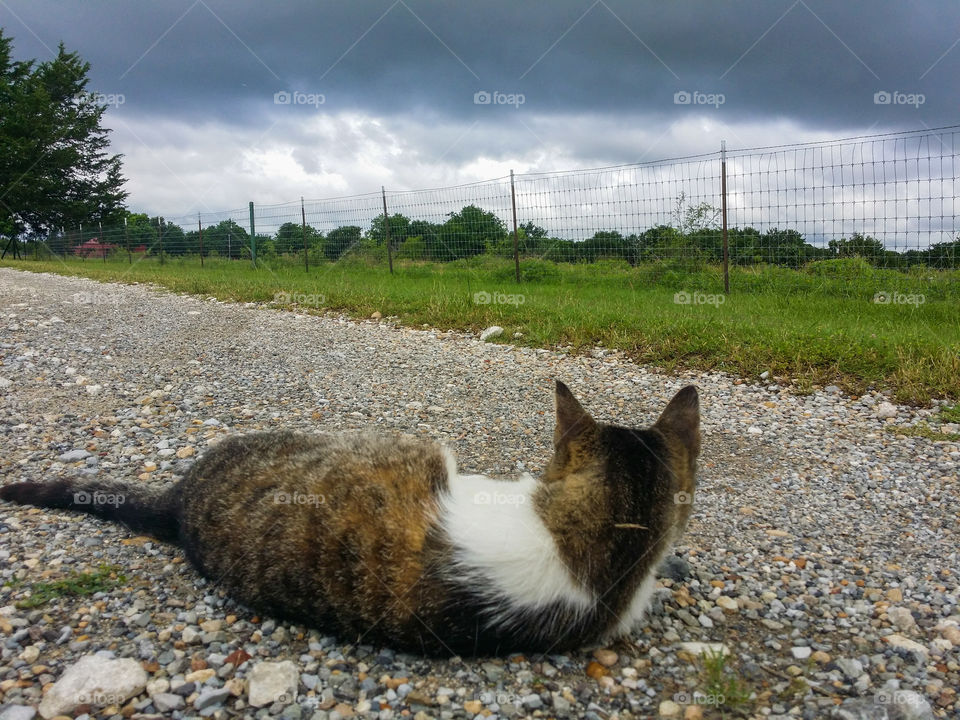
[822, 553]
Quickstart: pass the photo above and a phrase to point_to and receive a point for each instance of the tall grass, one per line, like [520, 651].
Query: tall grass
[835, 322]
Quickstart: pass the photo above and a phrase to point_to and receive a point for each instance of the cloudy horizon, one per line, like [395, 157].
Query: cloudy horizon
[214, 104]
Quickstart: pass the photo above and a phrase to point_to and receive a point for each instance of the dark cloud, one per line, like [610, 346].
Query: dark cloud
[818, 63]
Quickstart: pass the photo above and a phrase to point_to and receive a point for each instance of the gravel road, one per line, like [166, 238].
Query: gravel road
[822, 554]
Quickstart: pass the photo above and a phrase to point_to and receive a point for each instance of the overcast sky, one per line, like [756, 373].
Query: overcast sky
[219, 102]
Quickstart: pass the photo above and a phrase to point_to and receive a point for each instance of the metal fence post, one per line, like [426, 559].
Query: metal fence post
[303, 226]
[723, 200]
[386, 228]
[126, 240]
[103, 245]
[516, 237]
[253, 237]
[160, 231]
[200, 232]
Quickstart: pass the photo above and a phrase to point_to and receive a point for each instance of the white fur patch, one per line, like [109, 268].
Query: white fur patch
[502, 545]
[638, 605]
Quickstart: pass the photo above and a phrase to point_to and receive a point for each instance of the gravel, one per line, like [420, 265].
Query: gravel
[821, 557]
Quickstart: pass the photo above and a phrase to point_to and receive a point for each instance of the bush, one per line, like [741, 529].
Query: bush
[854, 268]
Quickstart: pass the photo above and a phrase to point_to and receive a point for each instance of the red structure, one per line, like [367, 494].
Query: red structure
[93, 248]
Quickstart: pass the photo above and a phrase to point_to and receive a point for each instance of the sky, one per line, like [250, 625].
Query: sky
[216, 103]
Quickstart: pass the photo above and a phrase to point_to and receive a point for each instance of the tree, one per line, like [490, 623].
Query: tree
[399, 230]
[340, 240]
[469, 232]
[290, 235]
[859, 245]
[54, 166]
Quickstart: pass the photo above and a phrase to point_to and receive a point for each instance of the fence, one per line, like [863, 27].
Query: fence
[889, 199]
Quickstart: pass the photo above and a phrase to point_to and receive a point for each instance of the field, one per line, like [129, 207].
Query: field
[836, 322]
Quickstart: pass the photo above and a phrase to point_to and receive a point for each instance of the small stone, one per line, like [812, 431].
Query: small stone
[850, 667]
[727, 603]
[18, 712]
[820, 657]
[166, 702]
[209, 698]
[895, 595]
[491, 332]
[473, 706]
[693, 712]
[674, 568]
[186, 452]
[94, 389]
[669, 709]
[754, 430]
[272, 682]
[902, 619]
[74, 455]
[30, 654]
[376, 315]
[886, 410]
[801, 653]
[905, 646]
[606, 657]
[532, 701]
[91, 677]
[765, 374]
[200, 676]
[596, 670]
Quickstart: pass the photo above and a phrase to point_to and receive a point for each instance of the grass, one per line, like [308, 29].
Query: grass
[77, 584]
[808, 328]
[722, 687]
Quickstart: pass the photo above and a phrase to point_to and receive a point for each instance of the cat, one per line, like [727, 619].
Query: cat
[379, 539]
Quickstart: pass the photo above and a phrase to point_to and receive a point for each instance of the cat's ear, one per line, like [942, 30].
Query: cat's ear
[681, 419]
[572, 420]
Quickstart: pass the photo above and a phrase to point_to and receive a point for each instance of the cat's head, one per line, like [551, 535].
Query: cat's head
[642, 476]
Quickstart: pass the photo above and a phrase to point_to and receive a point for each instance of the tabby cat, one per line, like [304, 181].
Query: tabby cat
[380, 539]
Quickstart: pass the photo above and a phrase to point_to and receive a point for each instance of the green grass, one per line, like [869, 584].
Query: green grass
[809, 328]
[104, 578]
[722, 687]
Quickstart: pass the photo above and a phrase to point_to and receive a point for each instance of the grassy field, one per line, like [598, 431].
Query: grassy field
[819, 326]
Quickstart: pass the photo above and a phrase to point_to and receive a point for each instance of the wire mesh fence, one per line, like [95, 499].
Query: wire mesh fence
[884, 201]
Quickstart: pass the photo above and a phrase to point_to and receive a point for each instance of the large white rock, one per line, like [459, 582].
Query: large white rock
[96, 680]
[273, 681]
[491, 332]
[886, 410]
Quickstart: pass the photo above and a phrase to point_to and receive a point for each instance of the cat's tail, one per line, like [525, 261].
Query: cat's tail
[142, 510]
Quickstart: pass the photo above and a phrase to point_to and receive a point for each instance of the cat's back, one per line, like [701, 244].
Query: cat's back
[290, 519]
